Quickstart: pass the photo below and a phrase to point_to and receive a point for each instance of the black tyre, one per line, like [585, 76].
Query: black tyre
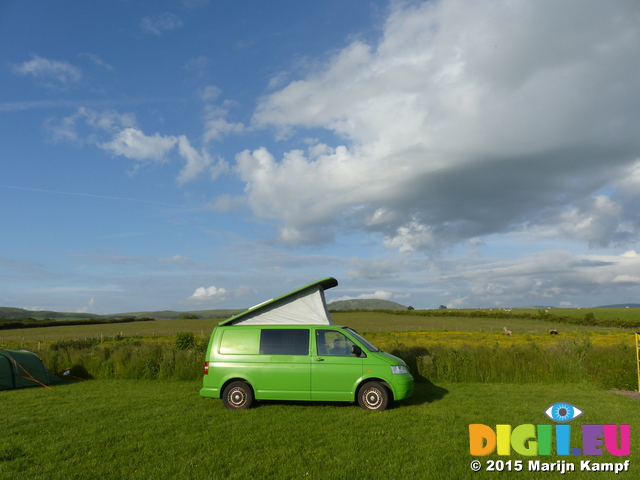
[237, 396]
[373, 396]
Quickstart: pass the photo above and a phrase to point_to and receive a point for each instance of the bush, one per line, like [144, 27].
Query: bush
[185, 341]
[74, 344]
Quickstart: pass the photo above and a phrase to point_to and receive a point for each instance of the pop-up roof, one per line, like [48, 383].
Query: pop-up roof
[304, 306]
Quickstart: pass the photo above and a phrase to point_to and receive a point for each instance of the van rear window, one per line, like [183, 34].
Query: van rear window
[284, 342]
[239, 342]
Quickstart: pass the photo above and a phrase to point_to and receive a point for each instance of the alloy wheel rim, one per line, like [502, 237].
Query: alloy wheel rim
[237, 397]
[373, 398]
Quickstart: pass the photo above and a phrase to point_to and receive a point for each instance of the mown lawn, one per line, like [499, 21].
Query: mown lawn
[161, 429]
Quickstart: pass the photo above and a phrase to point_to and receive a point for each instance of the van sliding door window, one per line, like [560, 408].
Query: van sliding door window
[284, 342]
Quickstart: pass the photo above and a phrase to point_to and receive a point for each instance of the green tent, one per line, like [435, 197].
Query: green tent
[22, 368]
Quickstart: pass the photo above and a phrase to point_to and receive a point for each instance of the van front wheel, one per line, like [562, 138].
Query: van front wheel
[237, 396]
[373, 396]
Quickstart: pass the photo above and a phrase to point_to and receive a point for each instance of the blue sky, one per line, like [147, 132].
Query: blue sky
[204, 154]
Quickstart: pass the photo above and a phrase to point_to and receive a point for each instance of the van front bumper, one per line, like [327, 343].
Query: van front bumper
[402, 386]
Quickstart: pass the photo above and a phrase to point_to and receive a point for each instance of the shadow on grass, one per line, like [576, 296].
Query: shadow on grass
[301, 403]
[77, 373]
[424, 392]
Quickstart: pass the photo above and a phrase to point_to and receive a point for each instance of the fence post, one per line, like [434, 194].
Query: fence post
[638, 357]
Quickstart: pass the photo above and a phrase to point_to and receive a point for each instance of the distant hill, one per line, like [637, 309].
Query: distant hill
[621, 305]
[173, 315]
[365, 304]
[10, 313]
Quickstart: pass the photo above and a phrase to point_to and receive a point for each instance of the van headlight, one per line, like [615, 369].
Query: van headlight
[399, 369]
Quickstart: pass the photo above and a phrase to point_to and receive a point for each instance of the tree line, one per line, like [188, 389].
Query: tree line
[28, 322]
[587, 319]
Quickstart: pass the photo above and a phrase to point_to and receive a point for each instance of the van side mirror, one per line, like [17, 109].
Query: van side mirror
[356, 350]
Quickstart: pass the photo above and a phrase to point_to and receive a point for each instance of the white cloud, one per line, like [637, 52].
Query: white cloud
[209, 93]
[108, 120]
[198, 162]
[217, 126]
[134, 144]
[300, 192]
[626, 279]
[40, 67]
[543, 278]
[278, 80]
[159, 23]
[378, 295]
[410, 238]
[210, 294]
[595, 222]
[89, 306]
[123, 137]
[177, 259]
[67, 128]
[465, 119]
[207, 293]
[97, 60]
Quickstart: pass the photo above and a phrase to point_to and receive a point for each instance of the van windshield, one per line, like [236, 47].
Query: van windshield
[364, 342]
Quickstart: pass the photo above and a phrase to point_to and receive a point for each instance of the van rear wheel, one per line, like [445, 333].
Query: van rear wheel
[237, 396]
[373, 396]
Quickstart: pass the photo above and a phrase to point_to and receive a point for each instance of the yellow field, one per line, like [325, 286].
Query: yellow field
[457, 339]
[384, 330]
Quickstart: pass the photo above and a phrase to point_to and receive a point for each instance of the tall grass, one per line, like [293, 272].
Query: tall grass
[568, 362]
[605, 360]
[127, 359]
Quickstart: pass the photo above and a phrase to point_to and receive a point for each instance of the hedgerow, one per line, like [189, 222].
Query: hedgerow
[589, 318]
[16, 324]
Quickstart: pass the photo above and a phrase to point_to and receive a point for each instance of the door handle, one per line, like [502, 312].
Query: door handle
[319, 359]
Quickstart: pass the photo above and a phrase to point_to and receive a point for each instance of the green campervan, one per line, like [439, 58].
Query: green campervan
[289, 349]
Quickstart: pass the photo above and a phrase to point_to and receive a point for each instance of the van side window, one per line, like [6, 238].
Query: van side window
[238, 341]
[284, 342]
[332, 343]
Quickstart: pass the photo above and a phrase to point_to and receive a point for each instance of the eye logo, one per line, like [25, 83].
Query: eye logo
[563, 412]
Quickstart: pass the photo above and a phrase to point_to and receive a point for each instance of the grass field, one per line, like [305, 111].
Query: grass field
[361, 321]
[163, 430]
